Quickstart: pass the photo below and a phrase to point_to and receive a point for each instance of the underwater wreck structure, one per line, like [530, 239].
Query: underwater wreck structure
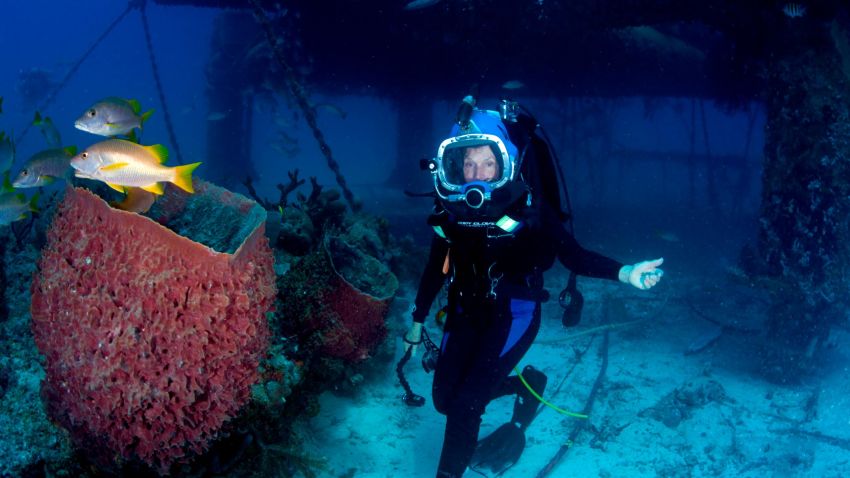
[733, 52]
[730, 51]
[804, 236]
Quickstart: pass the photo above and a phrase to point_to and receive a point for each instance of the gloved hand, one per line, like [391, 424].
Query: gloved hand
[413, 338]
[642, 275]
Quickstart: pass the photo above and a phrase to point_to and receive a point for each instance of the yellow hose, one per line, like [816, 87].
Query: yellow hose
[544, 402]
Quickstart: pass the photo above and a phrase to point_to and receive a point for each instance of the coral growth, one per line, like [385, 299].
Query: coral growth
[296, 234]
[338, 289]
[342, 296]
[151, 340]
[301, 225]
[803, 237]
[680, 404]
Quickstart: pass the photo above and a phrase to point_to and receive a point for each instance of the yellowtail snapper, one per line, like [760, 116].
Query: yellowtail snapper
[112, 116]
[48, 130]
[121, 164]
[45, 167]
[14, 207]
[137, 200]
[7, 152]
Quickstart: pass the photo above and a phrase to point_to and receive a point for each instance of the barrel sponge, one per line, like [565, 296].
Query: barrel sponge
[151, 340]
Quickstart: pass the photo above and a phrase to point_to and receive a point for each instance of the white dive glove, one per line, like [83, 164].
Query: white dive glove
[642, 275]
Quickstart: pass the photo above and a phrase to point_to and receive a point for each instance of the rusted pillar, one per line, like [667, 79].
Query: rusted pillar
[804, 238]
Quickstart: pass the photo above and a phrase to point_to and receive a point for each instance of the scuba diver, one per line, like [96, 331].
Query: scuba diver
[495, 235]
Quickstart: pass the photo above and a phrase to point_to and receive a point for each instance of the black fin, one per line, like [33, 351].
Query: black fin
[499, 450]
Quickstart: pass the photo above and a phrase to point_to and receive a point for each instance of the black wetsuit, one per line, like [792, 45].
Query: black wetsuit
[493, 313]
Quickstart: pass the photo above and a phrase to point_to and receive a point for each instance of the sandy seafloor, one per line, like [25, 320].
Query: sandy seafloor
[722, 418]
[660, 412]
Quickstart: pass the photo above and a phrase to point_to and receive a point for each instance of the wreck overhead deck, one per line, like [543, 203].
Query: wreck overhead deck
[580, 48]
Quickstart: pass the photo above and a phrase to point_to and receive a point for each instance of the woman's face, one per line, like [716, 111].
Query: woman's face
[479, 164]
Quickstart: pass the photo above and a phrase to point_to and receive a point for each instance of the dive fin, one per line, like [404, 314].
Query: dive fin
[499, 450]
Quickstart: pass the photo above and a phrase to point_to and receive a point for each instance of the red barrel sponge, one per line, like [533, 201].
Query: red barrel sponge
[151, 340]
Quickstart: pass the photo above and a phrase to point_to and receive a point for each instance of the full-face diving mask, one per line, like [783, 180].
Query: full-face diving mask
[472, 164]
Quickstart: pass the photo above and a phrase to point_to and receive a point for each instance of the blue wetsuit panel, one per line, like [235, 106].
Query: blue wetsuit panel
[522, 311]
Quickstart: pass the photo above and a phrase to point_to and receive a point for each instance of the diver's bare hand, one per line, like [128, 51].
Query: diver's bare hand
[642, 275]
[413, 338]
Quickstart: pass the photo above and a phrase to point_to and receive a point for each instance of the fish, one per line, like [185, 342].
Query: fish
[332, 108]
[137, 200]
[34, 85]
[14, 207]
[667, 236]
[794, 10]
[259, 50]
[290, 152]
[7, 152]
[513, 85]
[286, 144]
[112, 116]
[48, 130]
[120, 164]
[705, 340]
[45, 167]
[420, 4]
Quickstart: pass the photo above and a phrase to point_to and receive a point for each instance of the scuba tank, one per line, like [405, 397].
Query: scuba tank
[540, 168]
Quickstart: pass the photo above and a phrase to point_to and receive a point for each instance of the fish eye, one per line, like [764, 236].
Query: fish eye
[24, 172]
[85, 155]
[92, 112]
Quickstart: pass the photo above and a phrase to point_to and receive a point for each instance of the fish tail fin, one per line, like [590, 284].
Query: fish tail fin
[183, 177]
[33, 203]
[147, 114]
[38, 120]
[7, 183]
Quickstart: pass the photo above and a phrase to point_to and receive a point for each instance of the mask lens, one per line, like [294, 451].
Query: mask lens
[475, 160]
[453, 166]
